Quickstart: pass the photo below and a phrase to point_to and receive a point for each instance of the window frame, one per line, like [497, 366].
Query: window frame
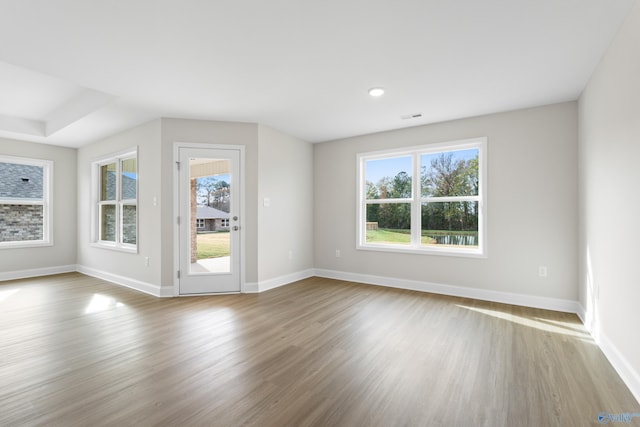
[416, 200]
[119, 203]
[46, 202]
[201, 221]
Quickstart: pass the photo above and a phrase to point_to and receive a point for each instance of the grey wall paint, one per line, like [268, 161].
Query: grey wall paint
[286, 178]
[63, 251]
[532, 204]
[283, 166]
[609, 206]
[209, 132]
[147, 138]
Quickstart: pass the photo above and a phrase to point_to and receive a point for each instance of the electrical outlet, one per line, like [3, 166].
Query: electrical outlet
[146, 261]
[290, 254]
[542, 271]
[337, 253]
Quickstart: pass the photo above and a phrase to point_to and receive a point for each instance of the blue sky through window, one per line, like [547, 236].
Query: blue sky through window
[378, 169]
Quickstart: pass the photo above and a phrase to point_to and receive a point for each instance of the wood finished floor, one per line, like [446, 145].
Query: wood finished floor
[78, 351]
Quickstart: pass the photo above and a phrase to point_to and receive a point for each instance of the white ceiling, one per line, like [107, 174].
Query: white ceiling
[75, 71]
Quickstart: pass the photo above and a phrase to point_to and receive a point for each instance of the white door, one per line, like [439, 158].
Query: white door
[209, 220]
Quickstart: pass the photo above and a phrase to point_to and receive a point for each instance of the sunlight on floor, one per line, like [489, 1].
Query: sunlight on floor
[4, 295]
[547, 325]
[102, 303]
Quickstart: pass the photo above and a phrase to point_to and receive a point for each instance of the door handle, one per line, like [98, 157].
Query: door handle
[236, 228]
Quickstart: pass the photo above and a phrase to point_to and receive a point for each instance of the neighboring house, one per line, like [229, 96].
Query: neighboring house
[20, 187]
[211, 219]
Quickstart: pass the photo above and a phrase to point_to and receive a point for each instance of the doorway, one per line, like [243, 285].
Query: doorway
[209, 220]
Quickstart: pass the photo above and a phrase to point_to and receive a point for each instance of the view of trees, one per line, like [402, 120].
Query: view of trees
[442, 175]
[214, 193]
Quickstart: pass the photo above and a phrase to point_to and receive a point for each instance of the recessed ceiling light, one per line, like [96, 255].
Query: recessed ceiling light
[376, 91]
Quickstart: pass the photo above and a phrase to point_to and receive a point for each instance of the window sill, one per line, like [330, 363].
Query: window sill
[25, 244]
[453, 252]
[114, 247]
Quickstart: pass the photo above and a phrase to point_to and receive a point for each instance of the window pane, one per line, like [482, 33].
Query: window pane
[129, 224]
[129, 179]
[108, 182]
[388, 178]
[450, 173]
[20, 223]
[21, 181]
[450, 224]
[389, 223]
[108, 223]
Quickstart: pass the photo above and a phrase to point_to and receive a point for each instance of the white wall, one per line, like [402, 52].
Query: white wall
[63, 251]
[127, 265]
[609, 116]
[285, 227]
[209, 132]
[532, 205]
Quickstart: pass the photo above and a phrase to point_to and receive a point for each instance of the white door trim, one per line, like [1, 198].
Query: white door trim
[176, 207]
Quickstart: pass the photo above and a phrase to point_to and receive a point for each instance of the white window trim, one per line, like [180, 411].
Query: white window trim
[118, 245]
[47, 202]
[416, 200]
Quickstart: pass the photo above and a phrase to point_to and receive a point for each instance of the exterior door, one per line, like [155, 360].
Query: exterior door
[209, 220]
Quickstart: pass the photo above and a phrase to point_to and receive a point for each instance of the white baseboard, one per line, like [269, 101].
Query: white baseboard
[622, 366]
[555, 304]
[582, 314]
[138, 285]
[36, 272]
[251, 288]
[265, 285]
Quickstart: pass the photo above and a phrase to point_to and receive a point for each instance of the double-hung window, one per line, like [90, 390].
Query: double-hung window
[25, 202]
[427, 199]
[116, 184]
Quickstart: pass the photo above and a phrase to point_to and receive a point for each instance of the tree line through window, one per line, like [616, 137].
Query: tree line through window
[426, 199]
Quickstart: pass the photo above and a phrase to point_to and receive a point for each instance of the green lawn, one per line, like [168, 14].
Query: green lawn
[213, 245]
[387, 235]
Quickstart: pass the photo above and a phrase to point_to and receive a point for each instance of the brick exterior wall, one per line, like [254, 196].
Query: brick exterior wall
[129, 224]
[108, 226]
[21, 223]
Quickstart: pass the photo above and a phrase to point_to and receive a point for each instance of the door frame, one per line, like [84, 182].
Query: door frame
[176, 209]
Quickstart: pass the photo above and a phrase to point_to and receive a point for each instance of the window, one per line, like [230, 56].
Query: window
[427, 199]
[200, 222]
[25, 207]
[224, 222]
[116, 206]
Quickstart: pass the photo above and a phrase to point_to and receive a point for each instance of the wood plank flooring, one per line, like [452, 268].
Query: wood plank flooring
[78, 351]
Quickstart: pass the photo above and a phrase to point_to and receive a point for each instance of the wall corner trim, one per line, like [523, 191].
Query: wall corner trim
[137, 285]
[582, 314]
[276, 282]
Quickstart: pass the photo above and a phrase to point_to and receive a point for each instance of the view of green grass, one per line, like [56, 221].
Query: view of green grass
[385, 235]
[393, 236]
[213, 245]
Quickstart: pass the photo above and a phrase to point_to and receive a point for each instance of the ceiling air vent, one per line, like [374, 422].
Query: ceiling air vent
[411, 116]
